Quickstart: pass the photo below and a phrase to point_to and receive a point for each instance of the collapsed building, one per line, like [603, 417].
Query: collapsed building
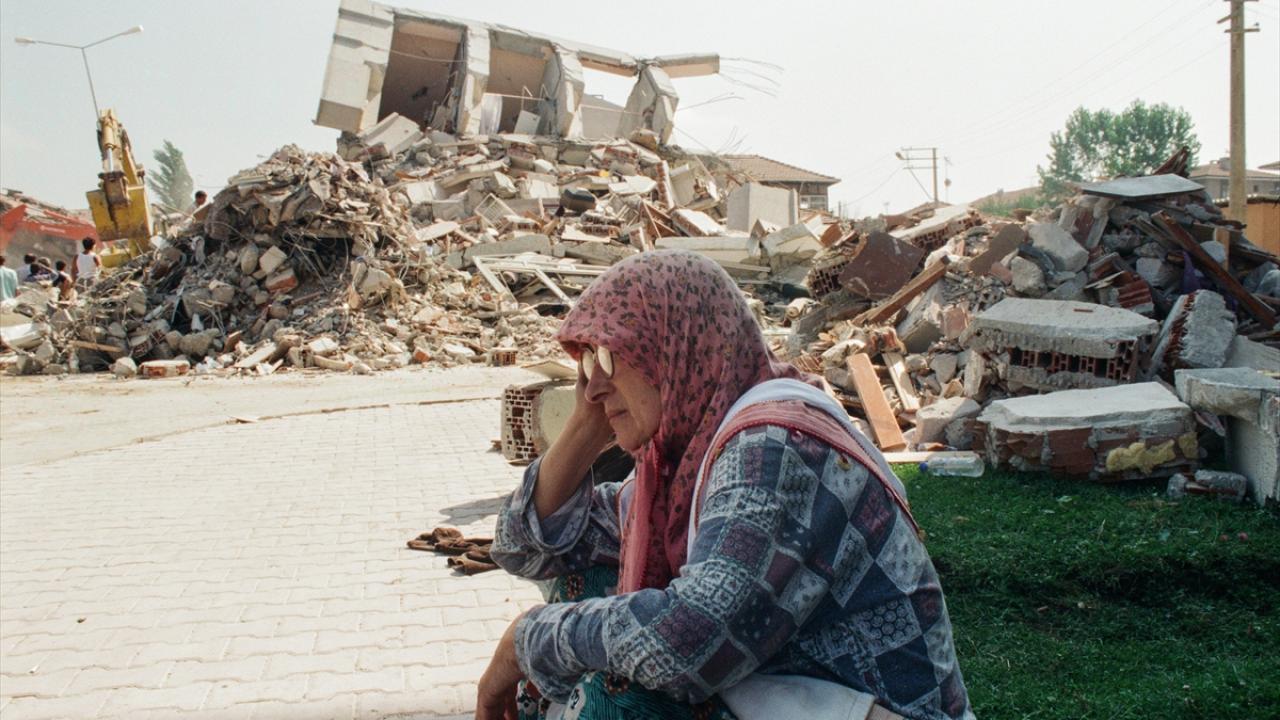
[473, 78]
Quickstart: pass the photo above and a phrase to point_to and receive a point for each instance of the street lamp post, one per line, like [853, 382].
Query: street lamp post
[83, 56]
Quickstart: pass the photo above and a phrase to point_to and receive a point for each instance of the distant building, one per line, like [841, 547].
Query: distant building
[812, 187]
[1216, 178]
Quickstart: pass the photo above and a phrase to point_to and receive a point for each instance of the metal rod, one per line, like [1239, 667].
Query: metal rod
[92, 93]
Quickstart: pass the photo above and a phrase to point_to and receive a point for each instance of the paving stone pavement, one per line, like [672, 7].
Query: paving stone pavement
[256, 571]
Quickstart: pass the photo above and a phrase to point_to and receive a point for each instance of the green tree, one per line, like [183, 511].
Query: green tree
[1101, 144]
[170, 181]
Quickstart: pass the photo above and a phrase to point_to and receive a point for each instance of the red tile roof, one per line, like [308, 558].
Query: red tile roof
[766, 170]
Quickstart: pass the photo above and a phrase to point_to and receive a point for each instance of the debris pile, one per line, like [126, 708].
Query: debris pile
[932, 327]
[411, 246]
[416, 246]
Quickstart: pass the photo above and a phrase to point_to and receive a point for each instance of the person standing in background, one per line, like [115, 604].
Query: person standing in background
[88, 265]
[8, 281]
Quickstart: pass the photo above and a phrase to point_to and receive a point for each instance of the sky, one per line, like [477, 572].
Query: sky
[833, 87]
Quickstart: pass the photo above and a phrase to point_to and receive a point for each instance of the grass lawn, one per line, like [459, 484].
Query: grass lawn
[1072, 600]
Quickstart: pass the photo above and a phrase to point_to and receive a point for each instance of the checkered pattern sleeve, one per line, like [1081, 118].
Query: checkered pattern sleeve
[802, 564]
[581, 533]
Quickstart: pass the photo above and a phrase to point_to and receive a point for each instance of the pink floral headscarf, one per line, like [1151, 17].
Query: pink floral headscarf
[680, 320]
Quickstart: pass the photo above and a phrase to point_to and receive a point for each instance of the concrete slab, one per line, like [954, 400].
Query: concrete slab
[1124, 432]
[1238, 392]
[1060, 325]
[1067, 254]
[753, 201]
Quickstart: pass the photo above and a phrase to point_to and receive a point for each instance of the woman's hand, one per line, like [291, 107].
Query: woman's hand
[496, 693]
[586, 413]
[566, 462]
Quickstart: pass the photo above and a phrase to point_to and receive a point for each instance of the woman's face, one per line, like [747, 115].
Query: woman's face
[632, 405]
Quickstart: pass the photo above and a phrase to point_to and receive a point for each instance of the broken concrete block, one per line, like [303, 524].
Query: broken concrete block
[1251, 402]
[1073, 288]
[931, 232]
[922, 325]
[25, 364]
[955, 320]
[394, 132]
[1053, 344]
[1028, 278]
[340, 364]
[1244, 352]
[373, 282]
[197, 345]
[753, 201]
[23, 335]
[124, 367]
[323, 346]
[1067, 254]
[720, 249]
[458, 352]
[248, 259]
[944, 365]
[421, 191]
[525, 243]
[695, 223]
[44, 352]
[164, 368]
[1222, 485]
[270, 260]
[932, 420]
[1125, 432]
[1006, 240]
[1197, 333]
[263, 354]
[223, 294]
[791, 245]
[281, 282]
[1157, 272]
[1238, 392]
[880, 266]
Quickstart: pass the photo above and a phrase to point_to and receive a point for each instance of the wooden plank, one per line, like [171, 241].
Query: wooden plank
[897, 367]
[884, 424]
[926, 456]
[1220, 276]
[1223, 236]
[887, 309]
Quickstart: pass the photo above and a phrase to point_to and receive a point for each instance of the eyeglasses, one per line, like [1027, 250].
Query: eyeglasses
[601, 355]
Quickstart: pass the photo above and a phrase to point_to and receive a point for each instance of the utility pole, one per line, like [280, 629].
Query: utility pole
[1236, 187]
[913, 155]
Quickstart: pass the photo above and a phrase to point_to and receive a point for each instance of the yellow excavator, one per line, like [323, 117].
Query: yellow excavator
[119, 205]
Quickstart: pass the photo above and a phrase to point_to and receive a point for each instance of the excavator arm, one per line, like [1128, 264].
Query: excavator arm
[119, 205]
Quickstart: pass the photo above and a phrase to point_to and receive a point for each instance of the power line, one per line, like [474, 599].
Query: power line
[980, 141]
[927, 196]
[1058, 92]
[876, 188]
[1050, 88]
[1216, 46]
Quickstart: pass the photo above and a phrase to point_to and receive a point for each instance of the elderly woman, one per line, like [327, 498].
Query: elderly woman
[763, 560]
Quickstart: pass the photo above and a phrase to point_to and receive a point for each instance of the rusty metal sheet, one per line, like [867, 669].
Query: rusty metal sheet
[880, 266]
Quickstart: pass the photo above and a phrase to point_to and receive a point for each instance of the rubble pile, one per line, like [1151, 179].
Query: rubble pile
[411, 246]
[935, 328]
[417, 246]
